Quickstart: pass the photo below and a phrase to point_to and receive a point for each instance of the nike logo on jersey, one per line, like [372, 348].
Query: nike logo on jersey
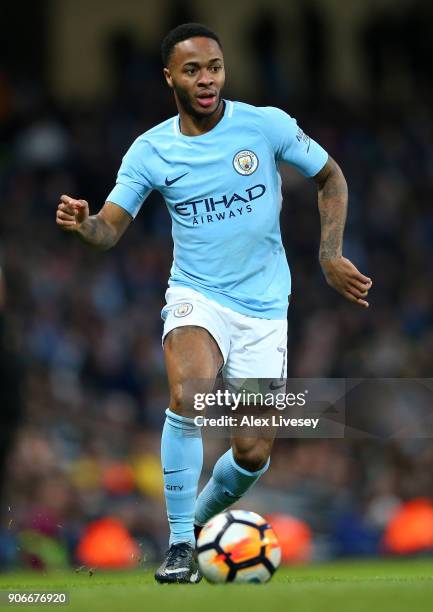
[174, 471]
[169, 182]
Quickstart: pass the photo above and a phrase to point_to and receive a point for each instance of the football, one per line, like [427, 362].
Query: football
[238, 546]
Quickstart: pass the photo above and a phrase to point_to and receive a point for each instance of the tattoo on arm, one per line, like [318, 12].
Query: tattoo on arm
[333, 210]
[97, 232]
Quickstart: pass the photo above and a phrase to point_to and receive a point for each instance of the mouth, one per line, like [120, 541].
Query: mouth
[206, 99]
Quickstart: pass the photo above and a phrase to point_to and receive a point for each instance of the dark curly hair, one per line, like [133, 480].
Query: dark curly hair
[183, 32]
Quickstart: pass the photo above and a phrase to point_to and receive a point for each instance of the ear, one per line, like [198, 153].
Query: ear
[168, 77]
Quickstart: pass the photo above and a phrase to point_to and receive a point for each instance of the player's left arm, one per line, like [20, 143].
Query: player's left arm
[340, 273]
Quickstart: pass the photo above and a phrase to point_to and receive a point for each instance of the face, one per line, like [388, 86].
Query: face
[196, 74]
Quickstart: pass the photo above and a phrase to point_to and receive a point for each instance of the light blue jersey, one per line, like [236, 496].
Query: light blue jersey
[223, 192]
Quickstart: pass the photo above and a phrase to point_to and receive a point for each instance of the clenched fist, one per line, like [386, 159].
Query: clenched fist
[71, 213]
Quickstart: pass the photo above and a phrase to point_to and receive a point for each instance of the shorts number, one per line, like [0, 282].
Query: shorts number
[284, 351]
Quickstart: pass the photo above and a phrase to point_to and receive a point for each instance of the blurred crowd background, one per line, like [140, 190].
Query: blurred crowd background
[83, 388]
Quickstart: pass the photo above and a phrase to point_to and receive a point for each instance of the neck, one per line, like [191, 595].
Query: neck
[193, 125]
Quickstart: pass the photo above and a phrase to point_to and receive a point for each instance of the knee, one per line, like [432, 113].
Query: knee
[251, 457]
[180, 402]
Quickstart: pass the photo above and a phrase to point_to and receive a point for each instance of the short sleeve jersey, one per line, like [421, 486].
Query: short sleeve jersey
[223, 192]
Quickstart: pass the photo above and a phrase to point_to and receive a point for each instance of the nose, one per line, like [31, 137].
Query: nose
[205, 78]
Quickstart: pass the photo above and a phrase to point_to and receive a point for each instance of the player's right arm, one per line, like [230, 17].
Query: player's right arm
[133, 185]
[102, 230]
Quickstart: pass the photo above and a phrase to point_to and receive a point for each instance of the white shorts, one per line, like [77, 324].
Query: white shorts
[251, 347]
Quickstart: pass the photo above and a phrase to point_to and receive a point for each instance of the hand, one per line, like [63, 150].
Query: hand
[71, 214]
[344, 277]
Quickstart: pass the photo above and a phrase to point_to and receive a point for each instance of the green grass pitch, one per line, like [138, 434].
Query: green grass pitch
[361, 586]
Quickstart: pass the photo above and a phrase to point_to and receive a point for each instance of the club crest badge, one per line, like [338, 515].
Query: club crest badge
[182, 310]
[245, 162]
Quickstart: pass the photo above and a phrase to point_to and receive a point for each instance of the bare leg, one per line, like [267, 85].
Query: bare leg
[252, 453]
[190, 353]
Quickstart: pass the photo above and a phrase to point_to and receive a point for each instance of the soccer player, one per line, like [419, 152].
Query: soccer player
[216, 165]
